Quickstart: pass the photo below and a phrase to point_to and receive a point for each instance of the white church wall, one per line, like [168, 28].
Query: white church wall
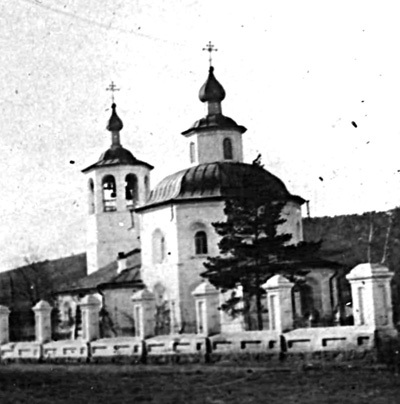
[193, 217]
[109, 233]
[163, 276]
[180, 271]
[210, 146]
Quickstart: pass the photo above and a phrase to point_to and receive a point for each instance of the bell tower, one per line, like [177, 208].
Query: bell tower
[116, 184]
[215, 137]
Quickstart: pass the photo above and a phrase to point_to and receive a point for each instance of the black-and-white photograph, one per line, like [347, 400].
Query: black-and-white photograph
[199, 202]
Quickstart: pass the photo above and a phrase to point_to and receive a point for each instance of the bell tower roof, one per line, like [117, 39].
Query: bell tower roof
[116, 154]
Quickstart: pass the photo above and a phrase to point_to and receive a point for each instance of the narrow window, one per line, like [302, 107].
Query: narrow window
[162, 249]
[91, 196]
[192, 150]
[200, 242]
[158, 247]
[131, 191]
[109, 194]
[227, 146]
[146, 186]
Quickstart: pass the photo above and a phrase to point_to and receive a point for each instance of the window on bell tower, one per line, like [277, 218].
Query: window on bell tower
[109, 194]
[227, 147]
[146, 187]
[131, 191]
[192, 151]
[91, 196]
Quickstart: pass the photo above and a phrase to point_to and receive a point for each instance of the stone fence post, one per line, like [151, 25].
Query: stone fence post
[144, 312]
[279, 296]
[371, 294]
[4, 325]
[42, 312]
[206, 298]
[90, 307]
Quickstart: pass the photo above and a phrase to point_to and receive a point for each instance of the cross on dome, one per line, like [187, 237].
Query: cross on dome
[210, 47]
[113, 88]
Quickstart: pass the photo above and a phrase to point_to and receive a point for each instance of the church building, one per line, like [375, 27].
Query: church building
[157, 241]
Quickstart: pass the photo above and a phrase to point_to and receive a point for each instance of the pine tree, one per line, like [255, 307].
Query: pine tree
[253, 249]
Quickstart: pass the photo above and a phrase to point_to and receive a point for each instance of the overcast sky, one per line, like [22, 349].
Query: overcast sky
[296, 73]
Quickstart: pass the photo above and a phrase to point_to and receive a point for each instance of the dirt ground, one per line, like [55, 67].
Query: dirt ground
[109, 384]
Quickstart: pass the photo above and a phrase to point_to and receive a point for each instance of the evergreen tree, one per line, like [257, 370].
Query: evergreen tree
[253, 249]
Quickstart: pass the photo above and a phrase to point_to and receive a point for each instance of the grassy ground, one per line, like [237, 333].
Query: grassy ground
[192, 384]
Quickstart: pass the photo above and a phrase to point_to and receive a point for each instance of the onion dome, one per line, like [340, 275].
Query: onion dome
[211, 90]
[218, 181]
[114, 123]
[213, 93]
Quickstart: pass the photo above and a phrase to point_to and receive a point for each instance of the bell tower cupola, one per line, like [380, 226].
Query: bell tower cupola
[115, 125]
[215, 137]
[118, 183]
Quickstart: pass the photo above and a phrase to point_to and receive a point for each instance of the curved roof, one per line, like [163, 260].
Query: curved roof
[117, 155]
[218, 180]
[215, 121]
[123, 156]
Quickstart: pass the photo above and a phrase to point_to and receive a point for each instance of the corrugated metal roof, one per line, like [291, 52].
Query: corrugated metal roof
[117, 155]
[217, 180]
[214, 121]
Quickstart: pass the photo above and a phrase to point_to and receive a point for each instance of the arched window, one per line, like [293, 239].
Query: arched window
[192, 151]
[146, 186]
[131, 190]
[109, 194]
[200, 242]
[227, 146]
[91, 196]
[158, 247]
[162, 249]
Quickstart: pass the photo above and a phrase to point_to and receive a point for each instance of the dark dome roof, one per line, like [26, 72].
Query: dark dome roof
[114, 123]
[217, 121]
[217, 180]
[211, 90]
[123, 156]
[117, 155]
